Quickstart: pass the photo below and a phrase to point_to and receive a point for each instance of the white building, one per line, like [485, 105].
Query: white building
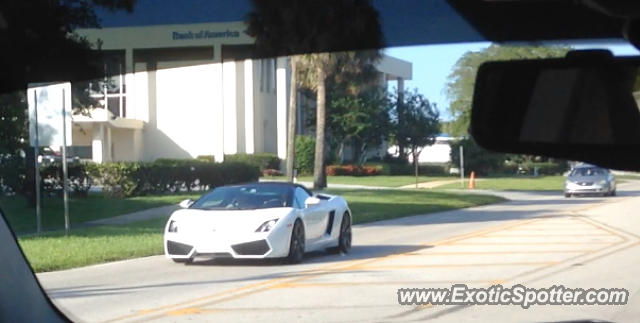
[438, 153]
[180, 91]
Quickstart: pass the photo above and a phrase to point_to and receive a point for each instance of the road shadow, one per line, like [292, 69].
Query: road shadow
[360, 252]
[357, 252]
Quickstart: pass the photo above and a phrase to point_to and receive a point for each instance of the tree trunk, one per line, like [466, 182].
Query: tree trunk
[291, 131]
[400, 110]
[415, 163]
[319, 173]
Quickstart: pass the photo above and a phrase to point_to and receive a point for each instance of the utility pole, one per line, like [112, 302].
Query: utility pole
[461, 166]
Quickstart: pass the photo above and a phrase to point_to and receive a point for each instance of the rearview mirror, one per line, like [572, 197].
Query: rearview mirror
[311, 201]
[185, 204]
[583, 107]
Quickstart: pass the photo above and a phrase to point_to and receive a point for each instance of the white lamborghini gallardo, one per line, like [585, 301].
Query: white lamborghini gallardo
[259, 220]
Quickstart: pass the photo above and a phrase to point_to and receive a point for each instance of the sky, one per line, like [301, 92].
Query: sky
[432, 64]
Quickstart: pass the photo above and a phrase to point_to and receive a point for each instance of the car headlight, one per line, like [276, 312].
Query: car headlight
[173, 226]
[602, 182]
[267, 226]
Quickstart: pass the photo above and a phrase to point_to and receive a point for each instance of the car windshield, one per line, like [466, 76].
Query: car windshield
[253, 106]
[587, 171]
[245, 197]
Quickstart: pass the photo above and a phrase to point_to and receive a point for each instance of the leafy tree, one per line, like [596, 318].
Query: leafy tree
[416, 125]
[39, 45]
[460, 83]
[322, 69]
[361, 120]
[305, 148]
[298, 26]
[476, 158]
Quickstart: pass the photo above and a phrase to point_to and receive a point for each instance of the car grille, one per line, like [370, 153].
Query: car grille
[585, 183]
[253, 248]
[176, 248]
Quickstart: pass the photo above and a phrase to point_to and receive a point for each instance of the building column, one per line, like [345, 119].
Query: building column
[218, 132]
[249, 127]
[229, 107]
[137, 144]
[108, 145]
[130, 85]
[97, 143]
[281, 108]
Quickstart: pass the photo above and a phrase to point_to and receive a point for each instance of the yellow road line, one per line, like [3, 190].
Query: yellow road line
[486, 264]
[508, 252]
[374, 283]
[532, 243]
[319, 272]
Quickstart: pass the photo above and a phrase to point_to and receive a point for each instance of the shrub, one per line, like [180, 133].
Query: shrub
[125, 179]
[12, 174]
[207, 158]
[476, 158]
[164, 176]
[271, 172]
[352, 170]
[305, 151]
[433, 169]
[394, 168]
[119, 179]
[260, 160]
[80, 175]
[545, 168]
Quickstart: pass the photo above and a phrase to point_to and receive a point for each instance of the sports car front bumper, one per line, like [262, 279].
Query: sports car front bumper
[185, 245]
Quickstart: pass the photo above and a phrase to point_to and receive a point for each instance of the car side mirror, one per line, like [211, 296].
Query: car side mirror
[311, 201]
[185, 204]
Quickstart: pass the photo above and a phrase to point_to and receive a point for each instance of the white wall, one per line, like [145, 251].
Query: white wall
[185, 112]
[123, 145]
[80, 136]
[438, 153]
[265, 109]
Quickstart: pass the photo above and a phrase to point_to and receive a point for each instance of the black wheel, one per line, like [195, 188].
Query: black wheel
[613, 193]
[296, 247]
[344, 240]
[345, 234]
[567, 195]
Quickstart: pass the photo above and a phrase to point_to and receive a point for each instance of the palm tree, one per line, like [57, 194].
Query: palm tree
[286, 27]
[316, 71]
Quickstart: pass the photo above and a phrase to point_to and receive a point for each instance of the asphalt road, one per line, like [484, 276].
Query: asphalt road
[536, 239]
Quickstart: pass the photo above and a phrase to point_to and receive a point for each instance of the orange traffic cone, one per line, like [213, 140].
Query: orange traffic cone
[472, 180]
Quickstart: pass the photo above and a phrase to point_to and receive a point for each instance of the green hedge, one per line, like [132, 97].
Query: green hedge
[260, 160]
[544, 168]
[81, 178]
[305, 152]
[407, 169]
[125, 179]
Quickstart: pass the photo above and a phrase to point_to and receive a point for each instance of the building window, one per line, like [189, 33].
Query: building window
[110, 91]
[272, 77]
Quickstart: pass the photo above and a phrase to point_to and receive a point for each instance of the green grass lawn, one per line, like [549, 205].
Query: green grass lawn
[22, 217]
[86, 246]
[82, 247]
[542, 183]
[380, 180]
[375, 205]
